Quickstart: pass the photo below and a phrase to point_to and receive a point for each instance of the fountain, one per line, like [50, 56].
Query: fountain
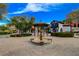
[41, 40]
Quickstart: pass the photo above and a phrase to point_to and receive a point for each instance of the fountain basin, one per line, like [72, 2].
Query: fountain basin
[37, 41]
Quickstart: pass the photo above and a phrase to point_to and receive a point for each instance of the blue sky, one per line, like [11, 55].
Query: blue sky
[46, 12]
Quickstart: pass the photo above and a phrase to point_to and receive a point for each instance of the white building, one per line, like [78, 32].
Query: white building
[64, 27]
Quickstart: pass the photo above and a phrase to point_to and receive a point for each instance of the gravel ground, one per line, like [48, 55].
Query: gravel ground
[21, 46]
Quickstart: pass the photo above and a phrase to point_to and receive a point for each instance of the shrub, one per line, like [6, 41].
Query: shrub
[3, 33]
[20, 35]
[63, 34]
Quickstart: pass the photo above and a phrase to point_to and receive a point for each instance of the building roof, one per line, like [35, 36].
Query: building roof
[42, 24]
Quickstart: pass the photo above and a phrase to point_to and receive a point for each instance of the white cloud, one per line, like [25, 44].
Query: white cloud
[2, 23]
[36, 7]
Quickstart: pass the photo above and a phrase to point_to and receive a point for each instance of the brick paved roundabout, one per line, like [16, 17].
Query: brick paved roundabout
[21, 46]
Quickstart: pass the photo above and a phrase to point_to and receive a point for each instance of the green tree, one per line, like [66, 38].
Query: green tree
[64, 21]
[73, 16]
[2, 28]
[22, 23]
[3, 10]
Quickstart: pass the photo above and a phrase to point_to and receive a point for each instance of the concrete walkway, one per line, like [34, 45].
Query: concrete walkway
[21, 46]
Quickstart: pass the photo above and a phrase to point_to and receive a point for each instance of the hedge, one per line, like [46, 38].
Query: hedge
[3, 33]
[20, 35]
[63, 34]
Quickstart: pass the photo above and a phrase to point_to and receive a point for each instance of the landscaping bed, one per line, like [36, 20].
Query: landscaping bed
[20, 35]
[63, 34]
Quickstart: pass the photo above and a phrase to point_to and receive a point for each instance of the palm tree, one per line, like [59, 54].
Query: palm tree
[32, 19]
